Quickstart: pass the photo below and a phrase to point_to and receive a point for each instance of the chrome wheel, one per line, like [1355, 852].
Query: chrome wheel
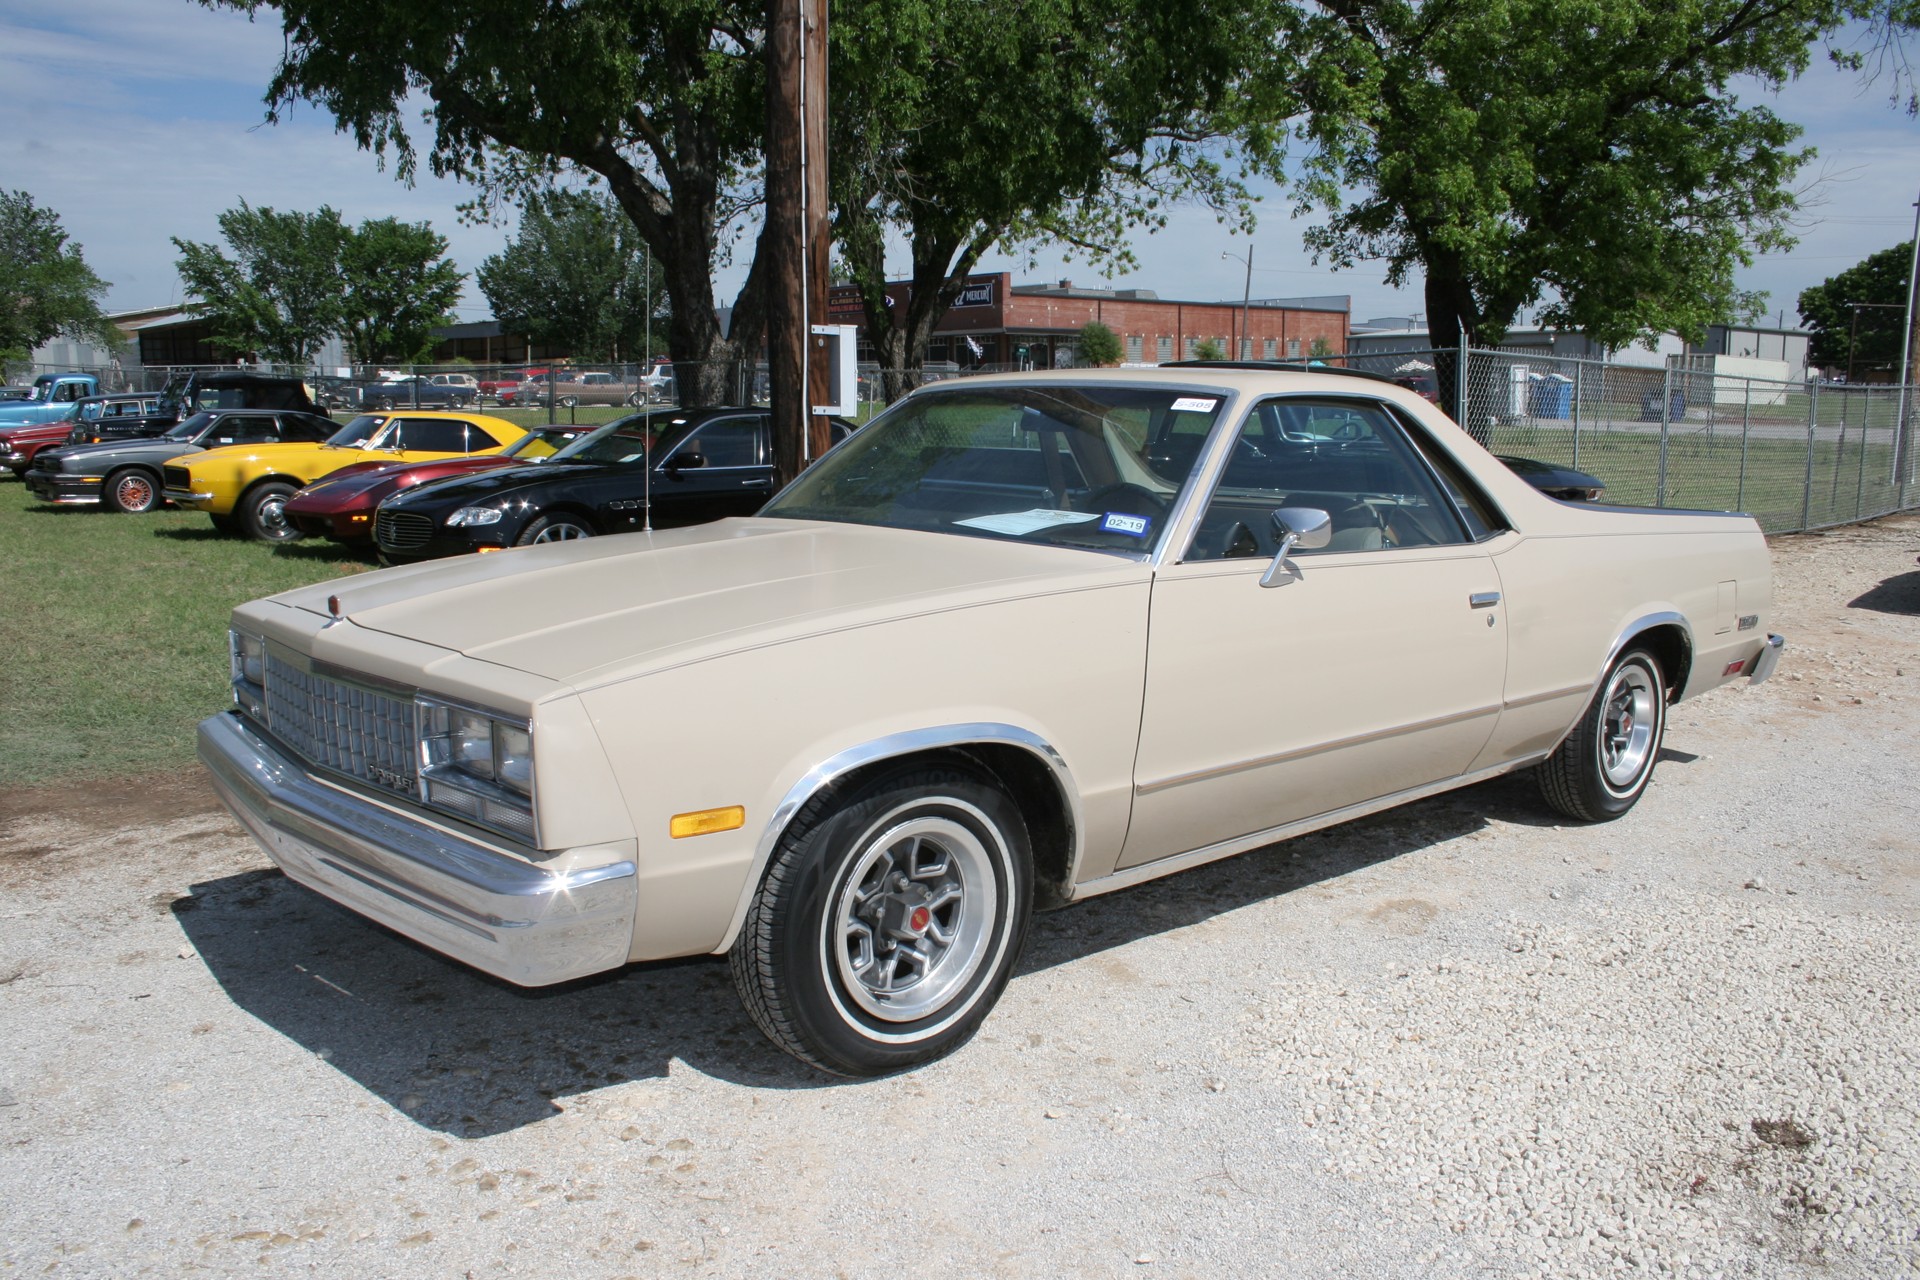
[1627, 726]
[264, 513]
[912, 918]
[132, 492]
[559, 531]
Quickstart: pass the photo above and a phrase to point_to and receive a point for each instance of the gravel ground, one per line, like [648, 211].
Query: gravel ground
[1452, 1040]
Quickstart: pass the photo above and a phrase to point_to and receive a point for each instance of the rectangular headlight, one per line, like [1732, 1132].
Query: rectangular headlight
[477, 765]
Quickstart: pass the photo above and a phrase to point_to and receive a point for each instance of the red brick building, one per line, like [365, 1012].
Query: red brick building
[998, 323]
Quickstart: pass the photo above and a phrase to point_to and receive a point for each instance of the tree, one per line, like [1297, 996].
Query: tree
[1879, 284]
[961, 125]
[1208, 349]
[575, 276]
[1099, 345]
[1515, 154]
[399, 288]
[281, 294]
[662, 100]
[47, 290]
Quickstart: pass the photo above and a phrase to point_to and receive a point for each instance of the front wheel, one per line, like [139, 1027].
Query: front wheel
[635, 400]
[263, 513]
[562, 528]
[889, 921]
[131, 491]
[1604, 765]
[568, 402]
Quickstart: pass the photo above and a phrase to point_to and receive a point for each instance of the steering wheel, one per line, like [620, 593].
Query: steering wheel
[1125, 496]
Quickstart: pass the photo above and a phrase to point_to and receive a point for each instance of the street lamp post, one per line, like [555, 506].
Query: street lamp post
[1246, 292]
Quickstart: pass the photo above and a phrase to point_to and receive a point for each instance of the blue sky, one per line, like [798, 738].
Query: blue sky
[138, 120]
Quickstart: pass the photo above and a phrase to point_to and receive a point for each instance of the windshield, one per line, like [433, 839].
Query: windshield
[626, 440]
[359, 433]
[186, 432]
[1062, 463]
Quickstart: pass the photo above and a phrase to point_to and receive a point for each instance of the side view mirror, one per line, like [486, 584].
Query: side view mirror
[686, 459]
[1308, 528]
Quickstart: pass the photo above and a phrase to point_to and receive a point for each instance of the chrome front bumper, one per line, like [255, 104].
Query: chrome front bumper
[184, 496]
[1767, 659]
[503, 916]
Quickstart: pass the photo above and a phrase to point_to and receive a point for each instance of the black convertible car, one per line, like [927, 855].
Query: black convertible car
[689, 465]
[124, 475]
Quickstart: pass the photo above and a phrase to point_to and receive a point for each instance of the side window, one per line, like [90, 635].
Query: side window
[304, 427]
[246, 428]
[1481, 517]
[730, 442]
[431, 435]
[1347, 457]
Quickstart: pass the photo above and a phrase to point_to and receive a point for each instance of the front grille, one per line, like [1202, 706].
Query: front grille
[177, 477]
[361, 732]
[401, 530]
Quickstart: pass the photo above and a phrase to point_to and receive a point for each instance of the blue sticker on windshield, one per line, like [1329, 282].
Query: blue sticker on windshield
[1120, 522]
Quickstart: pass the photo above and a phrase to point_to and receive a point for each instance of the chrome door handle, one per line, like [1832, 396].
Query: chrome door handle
[1483, 599]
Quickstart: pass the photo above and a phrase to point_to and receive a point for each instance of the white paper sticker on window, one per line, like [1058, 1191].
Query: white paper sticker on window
[1193, 404]
[1018, 523]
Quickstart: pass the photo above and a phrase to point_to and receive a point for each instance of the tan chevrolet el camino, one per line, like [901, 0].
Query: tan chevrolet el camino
[1022, 640]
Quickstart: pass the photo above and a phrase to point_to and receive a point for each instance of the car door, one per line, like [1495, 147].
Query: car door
[1373, 666]
[733, 474]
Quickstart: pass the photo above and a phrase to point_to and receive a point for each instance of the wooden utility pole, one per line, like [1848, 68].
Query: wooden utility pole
[797, 239]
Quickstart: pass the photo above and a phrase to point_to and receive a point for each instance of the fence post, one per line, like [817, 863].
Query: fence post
[1806, 485]
[1746, 430]
[1579, 376]
[1866, 435]
[1666, 430]
[1460, 397]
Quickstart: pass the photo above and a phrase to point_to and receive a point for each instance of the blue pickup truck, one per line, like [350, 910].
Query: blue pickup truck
[51, 401]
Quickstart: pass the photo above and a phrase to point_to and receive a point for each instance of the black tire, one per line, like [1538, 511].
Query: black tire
[635, 400]
[262, 513]
[903, 858]
[1605, 764]
[554, 528]
[130, 490]
[568, 402]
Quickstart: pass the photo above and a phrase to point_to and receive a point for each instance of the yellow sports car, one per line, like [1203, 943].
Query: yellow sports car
[245, 487]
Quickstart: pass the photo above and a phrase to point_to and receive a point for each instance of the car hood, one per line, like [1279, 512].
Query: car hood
[146, 449]
[586, 613]
[368, 475]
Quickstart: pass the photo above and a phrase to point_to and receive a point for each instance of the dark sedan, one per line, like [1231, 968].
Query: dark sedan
[124, 475]
[341, 506]
[690, 466]
[416, 393]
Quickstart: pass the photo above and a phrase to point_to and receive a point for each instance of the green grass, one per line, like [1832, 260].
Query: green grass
[113, 632]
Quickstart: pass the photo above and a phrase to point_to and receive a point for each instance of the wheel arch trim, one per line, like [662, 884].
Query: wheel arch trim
[1640, 626]
[907, 743]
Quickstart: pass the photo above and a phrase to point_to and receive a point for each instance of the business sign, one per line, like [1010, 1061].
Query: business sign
[977, 292]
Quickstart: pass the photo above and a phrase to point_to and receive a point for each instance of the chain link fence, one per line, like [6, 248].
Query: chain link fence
[1795, 455]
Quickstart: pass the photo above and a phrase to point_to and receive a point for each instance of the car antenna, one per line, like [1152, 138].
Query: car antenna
[646, 481]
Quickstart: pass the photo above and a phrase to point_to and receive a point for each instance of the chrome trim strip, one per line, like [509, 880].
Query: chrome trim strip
[1768, 658]
[514, 920]
[1146, 871]
[182, 495]
[1299, 753]
[1483, 599]
[905, 743]
[1551, 695]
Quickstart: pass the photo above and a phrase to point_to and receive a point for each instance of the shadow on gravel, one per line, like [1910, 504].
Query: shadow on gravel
[469, 1056]
[1896, 595]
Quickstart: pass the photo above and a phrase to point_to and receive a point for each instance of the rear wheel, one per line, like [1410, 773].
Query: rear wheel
[1604, 765]
[560, 528]
[889, 921]
[568, 402]
[131, 491]
[263, 513]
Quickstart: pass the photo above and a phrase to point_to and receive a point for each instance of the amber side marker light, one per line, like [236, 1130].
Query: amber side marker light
[707, 821]
[484, 550]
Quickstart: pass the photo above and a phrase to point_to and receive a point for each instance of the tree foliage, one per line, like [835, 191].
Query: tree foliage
[962, 125]
[287, 282]
[1879, 284]
[1099, 345]
[1598, 163]
[575, 276]
[280, 294]
[662, 100]
[399, 289]
[47, 290]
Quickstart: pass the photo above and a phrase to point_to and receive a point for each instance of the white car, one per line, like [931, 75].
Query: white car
[1022, 640]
